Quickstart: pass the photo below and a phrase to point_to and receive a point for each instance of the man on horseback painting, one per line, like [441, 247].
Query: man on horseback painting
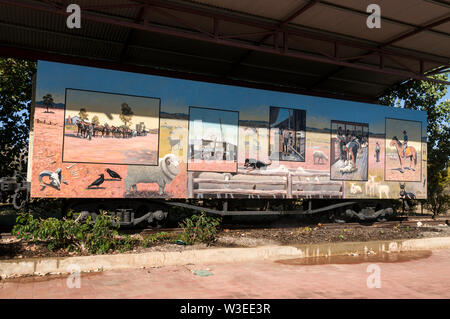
[404, 151]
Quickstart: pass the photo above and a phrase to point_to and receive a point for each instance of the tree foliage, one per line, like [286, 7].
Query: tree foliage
[83, 114]
[95, 120]
[427, 96]
[48, 101]
[16, 78]
[126, 114]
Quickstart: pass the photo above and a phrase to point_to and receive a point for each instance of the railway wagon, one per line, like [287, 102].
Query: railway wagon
[133, 139]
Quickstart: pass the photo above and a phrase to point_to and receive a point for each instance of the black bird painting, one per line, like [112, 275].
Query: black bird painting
[98, 181]
[113, 174]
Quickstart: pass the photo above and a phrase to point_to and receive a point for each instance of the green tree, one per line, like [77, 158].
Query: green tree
[126, 114]
[16, 78]
[83, 114]
[95, 120]
[427, 96]
[48, 101]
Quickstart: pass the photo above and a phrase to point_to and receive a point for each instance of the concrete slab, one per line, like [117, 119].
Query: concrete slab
[58, 265]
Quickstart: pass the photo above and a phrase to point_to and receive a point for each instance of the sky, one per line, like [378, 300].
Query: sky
[107, 107]
[178, 94]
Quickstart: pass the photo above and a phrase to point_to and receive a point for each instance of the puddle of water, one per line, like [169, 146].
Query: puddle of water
[382, 257]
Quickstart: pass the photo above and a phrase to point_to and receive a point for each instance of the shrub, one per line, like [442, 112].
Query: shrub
[95, 237]
[154, 238]
[199, 229]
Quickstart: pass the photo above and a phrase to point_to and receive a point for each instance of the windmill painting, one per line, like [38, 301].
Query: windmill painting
[213, 139]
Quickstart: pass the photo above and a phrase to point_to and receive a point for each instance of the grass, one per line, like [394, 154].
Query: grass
[151, 239]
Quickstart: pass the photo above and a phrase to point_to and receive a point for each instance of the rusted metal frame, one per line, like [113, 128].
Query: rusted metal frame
[275, 35]
[236, 19]
[182, 21]
[140, 16]
[285, 42]
[401, 64]
[274, 69]
[300, 11]
[53, 3]
[396, 39]
[243, 35]
[414, 32]
[184, 34]
[357, 57]
[110, 42]
[258, 23]
[62, 34]
[336, 50]
[391, 20]
[289, 54]
[112, 6]
[321, 52]
[216, 25]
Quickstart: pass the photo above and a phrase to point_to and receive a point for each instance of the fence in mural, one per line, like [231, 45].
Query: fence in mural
[265, 184]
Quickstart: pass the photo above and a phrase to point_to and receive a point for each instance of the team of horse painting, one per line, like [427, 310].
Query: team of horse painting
[105, 130]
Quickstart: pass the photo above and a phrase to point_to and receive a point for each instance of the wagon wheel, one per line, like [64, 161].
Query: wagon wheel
[159, 219]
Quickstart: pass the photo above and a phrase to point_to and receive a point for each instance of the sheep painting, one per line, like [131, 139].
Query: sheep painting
[355, 189]
[320, 156]
[162, 174]
[383, 189]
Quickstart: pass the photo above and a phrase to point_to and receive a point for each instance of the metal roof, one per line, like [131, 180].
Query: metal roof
[305, 46]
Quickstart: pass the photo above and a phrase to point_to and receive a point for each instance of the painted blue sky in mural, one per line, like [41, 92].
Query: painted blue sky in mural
[177, 95]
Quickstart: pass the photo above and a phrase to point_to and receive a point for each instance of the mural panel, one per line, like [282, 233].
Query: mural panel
[213, 140]
[403, 150]
[207, 140]
[287, 134]
[110, 128]
[349, 151]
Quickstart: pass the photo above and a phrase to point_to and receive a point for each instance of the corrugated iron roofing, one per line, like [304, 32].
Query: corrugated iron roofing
[337, 18]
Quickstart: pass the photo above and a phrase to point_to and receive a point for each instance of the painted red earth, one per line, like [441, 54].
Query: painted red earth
[142, 150]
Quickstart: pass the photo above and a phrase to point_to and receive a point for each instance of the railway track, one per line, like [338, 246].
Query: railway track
[426, 222]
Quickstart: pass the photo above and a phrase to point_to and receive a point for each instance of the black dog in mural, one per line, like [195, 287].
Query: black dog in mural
[255, 164]
[406, 195]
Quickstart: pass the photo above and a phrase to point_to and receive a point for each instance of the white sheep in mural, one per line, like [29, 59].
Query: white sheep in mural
[162, 174]
[355, 189]
[383, 189]
[320, 156]
[370, 186]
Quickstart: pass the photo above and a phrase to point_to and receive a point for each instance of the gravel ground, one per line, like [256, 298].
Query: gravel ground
[12, 248]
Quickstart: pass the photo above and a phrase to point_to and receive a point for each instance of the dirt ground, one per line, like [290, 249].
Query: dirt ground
[140, 150]
[393, 172]
[11, 248]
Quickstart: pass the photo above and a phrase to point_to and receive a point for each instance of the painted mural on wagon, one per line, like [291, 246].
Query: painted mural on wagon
[262, 166]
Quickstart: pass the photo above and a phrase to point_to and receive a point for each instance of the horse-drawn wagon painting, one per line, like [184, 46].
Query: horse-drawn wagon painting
[110, 128]
[403, 150]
